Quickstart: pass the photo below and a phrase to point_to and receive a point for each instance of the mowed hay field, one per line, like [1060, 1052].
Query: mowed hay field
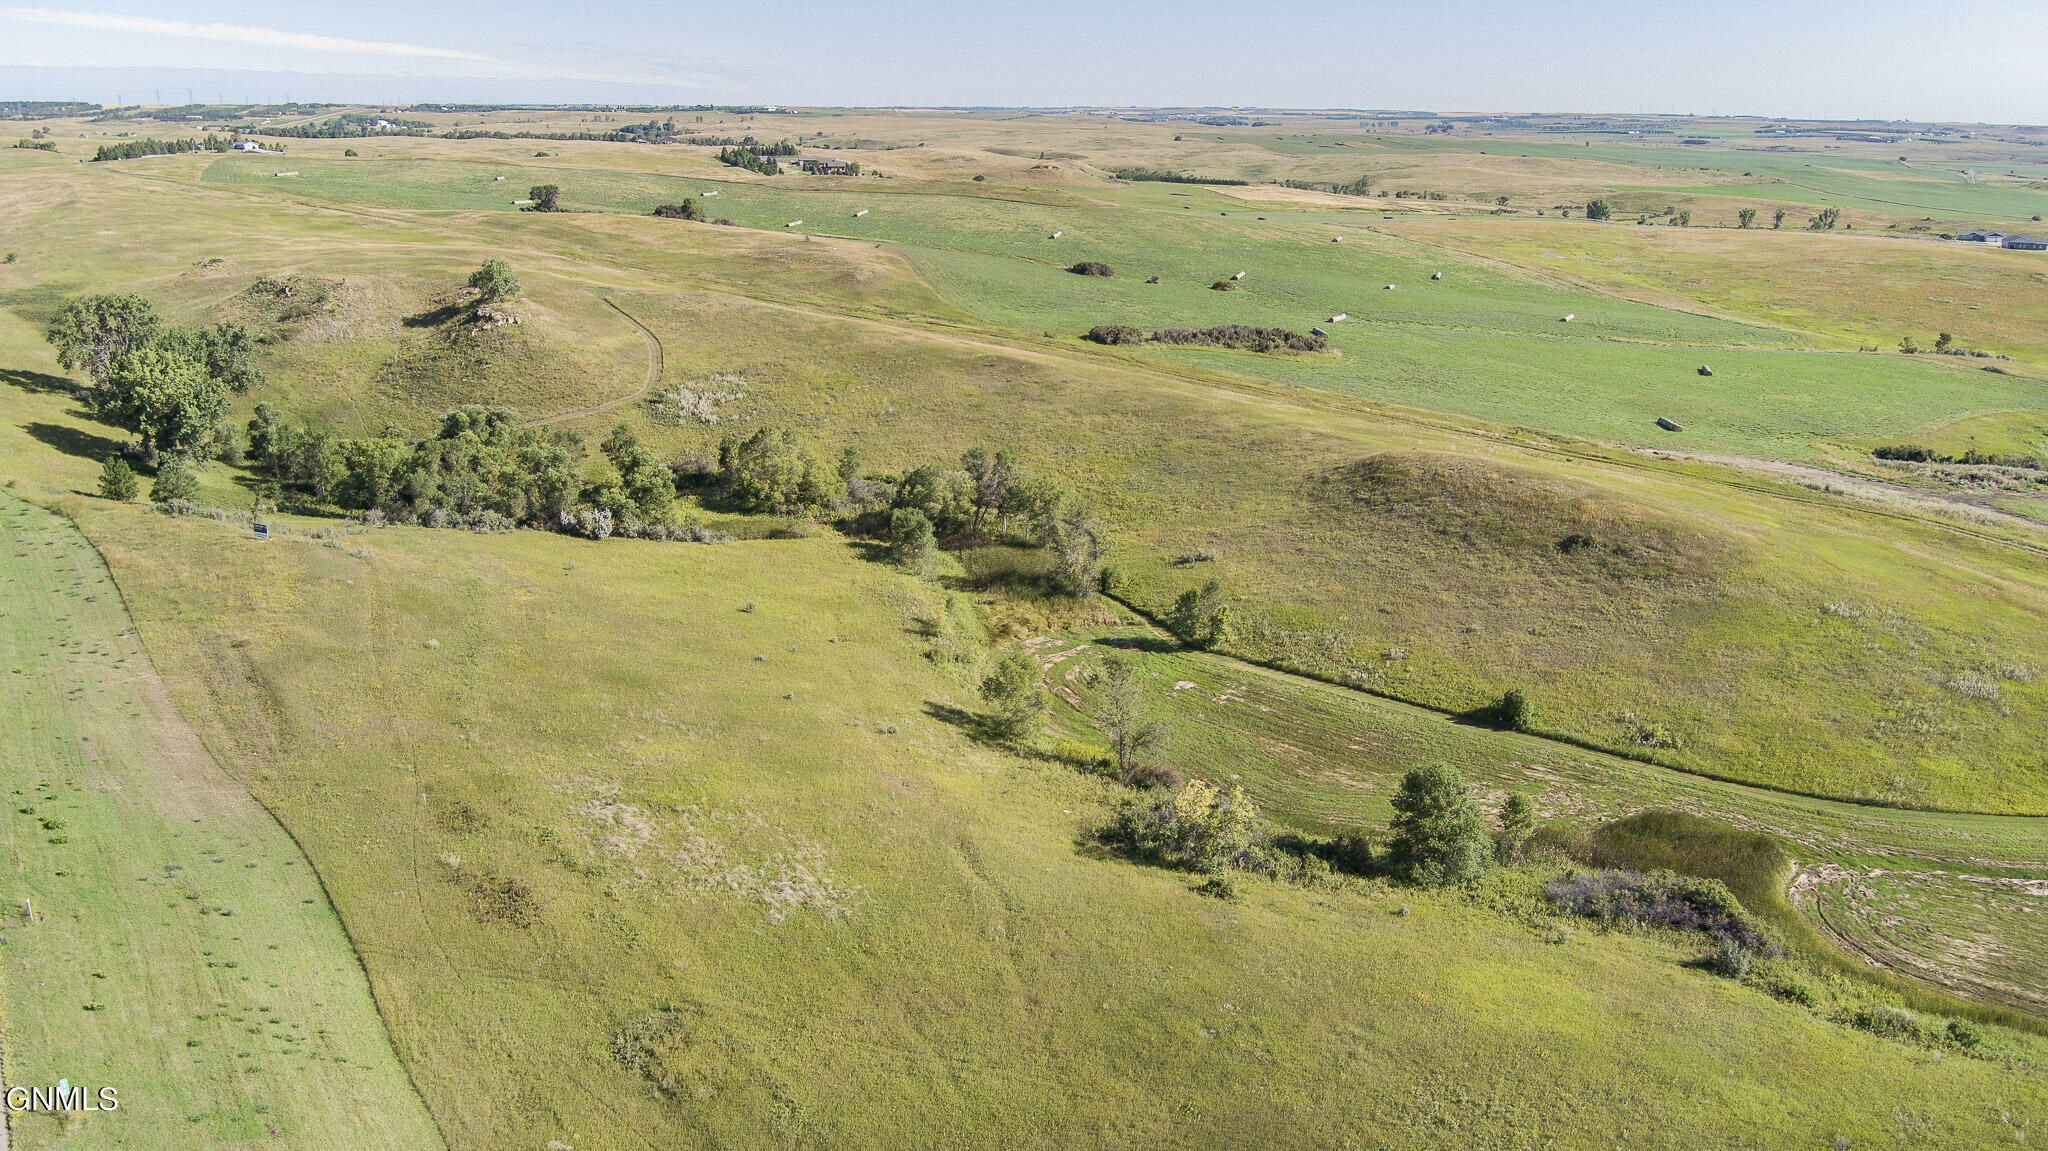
[765, 893]
[1767, 627]
[181, 950]
[1861, 290]
[1485, 341]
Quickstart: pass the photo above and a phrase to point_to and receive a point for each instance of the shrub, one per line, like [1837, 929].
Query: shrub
[911, 540]
[1439, 837]
[118, 481]
[1780, 981]
[545, 197]
[1224, 286]
[1517, 822]
[1011, 688]
[1115, 334]
[687, 210]
[1514, 711]
[1964, 1033]
[1091, 268]
[1888, 1022]
[1243, 337]
[1199, 617]
[1199, 827]
[503, 899]
[1220, 885]
[1666, 899]
[1599, 210]
[1728, 960]
[175, 480]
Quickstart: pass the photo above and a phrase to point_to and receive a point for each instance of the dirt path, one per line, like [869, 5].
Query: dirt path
[656, 365]
[1980, 506]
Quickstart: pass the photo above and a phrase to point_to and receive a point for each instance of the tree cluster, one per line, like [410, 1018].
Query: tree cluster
[170, 385]
[151, 146]
[687, 210]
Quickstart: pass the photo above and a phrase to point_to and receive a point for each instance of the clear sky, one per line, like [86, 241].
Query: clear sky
[1972, 60]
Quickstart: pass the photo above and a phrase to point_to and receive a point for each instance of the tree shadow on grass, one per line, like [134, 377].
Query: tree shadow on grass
[31, 381]
[72, 441]
[976, 726]
[438, 317]
[1149, 644]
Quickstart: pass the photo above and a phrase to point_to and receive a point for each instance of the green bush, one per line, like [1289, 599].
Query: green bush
[1515, 711]
[175, 480]
[1199, 827]
[118, 481]
[1439, 836]
[1011, 688]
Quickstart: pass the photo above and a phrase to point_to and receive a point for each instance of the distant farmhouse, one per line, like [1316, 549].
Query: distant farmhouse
[2027, 243]
[1982, 237]
[822, 165]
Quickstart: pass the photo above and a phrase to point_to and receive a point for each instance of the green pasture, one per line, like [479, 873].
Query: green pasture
[181, 951]
[766, 830]
[1485, 341]
[1741, 659]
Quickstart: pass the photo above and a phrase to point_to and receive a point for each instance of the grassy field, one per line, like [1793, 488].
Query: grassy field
[842, 341]
[690, 859]
[1485, 341]
[181, 951]
[1864, 290]
[666, 844]
[1326, 760]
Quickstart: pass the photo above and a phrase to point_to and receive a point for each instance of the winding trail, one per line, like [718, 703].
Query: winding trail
[656, 365]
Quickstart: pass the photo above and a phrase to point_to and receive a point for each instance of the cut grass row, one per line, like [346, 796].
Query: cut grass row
[180, 951]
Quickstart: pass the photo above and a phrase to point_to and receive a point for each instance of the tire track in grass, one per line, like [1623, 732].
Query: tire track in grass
[656, 366]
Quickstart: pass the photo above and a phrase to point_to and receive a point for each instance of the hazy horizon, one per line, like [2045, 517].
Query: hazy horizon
[1869, 61]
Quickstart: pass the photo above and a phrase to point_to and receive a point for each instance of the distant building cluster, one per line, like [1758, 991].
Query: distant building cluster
[2001, 240]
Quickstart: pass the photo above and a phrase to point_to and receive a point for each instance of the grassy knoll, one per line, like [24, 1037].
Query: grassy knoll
[182, 951]
[769, 863]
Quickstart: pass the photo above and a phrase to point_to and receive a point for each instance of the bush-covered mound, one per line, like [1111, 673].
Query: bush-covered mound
[1241, 337]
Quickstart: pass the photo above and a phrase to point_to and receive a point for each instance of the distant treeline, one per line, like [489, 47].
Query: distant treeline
[347, 126]
[151, 146]
[1916, 453]
[1359, 187]
[1166, 176]
[181, 113]
[1241, 337]
[638, 109]
[43, 109]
